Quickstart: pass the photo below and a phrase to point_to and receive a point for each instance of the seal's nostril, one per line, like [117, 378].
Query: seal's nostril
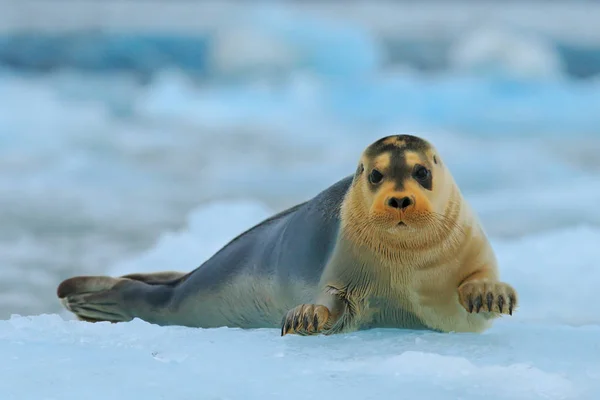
[399, 203]
[405, 202]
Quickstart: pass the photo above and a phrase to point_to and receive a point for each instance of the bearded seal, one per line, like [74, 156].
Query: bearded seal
[393, 245]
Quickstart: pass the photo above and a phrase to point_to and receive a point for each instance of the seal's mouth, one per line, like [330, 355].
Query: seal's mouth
[399, 228]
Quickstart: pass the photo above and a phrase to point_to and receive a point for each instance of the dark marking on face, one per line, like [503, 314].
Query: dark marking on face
[434, 159]
[409, 142]
[398, 170]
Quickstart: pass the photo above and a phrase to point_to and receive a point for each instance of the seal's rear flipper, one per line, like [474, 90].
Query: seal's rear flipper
[104, 298]
[94, 298]
[157, 278]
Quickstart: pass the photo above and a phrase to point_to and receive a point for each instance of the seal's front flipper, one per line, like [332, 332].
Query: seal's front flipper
[306, 319]
[330, 315]
[487, 296]
[95, 298]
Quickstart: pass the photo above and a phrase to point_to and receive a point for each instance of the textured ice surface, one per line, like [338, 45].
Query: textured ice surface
[44, 357]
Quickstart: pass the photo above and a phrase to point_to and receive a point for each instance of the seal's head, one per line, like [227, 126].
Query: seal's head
[401, 187]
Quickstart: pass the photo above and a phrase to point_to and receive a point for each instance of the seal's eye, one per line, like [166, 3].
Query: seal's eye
[421, 173]
[423, 176]
[375, 177]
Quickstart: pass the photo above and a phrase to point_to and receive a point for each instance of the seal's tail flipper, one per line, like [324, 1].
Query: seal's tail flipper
[157, 278]
[104, 298]
[94, 298]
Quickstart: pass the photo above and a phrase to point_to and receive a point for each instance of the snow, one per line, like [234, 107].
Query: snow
[47, 358]
[112, 173]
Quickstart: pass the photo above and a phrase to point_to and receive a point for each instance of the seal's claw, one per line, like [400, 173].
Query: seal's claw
[286, 324]
[499, 297]
[478, 302]
[511, 301]
[305, 319]
[283, 327]
[305, 322]
[296, 322]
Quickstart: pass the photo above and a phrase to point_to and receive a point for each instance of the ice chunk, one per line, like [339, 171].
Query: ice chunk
[136, 359]
[493, 50]
[276, 39]
[209, 228]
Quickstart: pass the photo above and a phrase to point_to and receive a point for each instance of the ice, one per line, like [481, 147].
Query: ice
[46, 357]
[203, 236]
[498, 51]
[273, 41]
[555, 271]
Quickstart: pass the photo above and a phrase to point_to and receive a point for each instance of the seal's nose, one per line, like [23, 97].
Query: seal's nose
[401, 204]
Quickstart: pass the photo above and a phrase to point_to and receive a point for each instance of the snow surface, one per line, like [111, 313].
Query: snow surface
[47, 358]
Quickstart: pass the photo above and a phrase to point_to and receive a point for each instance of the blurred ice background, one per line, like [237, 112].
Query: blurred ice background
[126, 126]
[141, 135]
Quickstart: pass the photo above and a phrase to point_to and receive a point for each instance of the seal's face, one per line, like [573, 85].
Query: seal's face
[400, 177]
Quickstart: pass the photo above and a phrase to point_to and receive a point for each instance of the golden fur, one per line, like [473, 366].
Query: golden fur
[438, 271]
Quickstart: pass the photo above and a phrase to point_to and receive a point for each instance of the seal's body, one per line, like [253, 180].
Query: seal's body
[393, 245]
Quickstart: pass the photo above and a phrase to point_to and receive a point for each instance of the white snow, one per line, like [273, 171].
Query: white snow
[101, 174]
[45, 357]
